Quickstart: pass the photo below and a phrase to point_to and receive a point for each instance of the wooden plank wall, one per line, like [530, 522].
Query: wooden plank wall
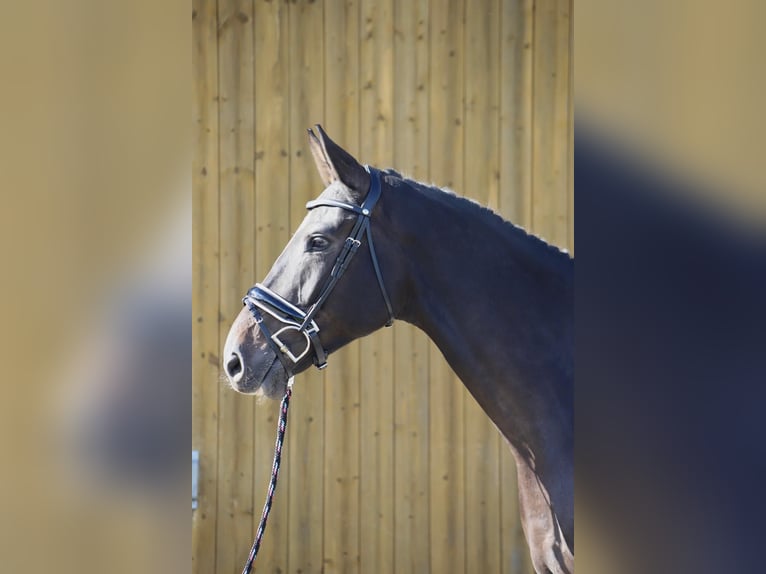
[390, 467]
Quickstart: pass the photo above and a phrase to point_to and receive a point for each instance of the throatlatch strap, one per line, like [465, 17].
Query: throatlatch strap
[380, 278]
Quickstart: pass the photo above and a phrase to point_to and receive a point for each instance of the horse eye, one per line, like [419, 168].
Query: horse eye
[317, 243]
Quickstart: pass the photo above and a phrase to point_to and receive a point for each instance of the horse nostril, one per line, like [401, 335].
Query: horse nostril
[233, 367]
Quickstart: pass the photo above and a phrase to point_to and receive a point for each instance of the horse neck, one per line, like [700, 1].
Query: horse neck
[498, 304]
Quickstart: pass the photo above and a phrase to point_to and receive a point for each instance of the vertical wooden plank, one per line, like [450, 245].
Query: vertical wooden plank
[482, 103]
[446, 422]
[411, 346]
[516, 101]
[205, 354]
[306, 436]
[272, 222]
[235, 431]
[376, 352]
[342, 401]
[481, 182]
[235, 436]
[516, 97]
[551, 111]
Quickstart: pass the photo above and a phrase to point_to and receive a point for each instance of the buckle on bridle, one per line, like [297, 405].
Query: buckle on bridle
[285, 349]
[349, 248]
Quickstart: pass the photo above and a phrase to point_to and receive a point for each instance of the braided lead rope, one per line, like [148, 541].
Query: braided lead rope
[281, 426]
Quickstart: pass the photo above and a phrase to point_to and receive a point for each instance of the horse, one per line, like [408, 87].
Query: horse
[496, 300]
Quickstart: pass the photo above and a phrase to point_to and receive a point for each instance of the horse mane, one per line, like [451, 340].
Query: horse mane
[487, 216]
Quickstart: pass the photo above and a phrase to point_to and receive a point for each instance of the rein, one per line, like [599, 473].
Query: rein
[281, 428]
[261, 298]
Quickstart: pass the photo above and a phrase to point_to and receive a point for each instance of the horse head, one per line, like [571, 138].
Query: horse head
[318, 296]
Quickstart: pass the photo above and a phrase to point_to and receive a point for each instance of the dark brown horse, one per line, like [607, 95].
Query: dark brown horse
[497, 301]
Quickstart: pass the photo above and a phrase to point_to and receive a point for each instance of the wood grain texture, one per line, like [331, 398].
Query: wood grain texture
[237, 210]
[551, 121]
[516, 110]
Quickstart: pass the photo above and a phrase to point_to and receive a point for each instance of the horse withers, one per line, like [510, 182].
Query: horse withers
[497, 301]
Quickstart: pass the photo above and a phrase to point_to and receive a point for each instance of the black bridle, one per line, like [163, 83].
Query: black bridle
[261, 298]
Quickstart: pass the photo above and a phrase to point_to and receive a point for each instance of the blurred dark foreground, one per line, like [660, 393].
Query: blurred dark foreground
[671, 371]
[670, 204]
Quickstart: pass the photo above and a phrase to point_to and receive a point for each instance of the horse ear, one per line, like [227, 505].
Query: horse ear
[324, 167]
[334, 163]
